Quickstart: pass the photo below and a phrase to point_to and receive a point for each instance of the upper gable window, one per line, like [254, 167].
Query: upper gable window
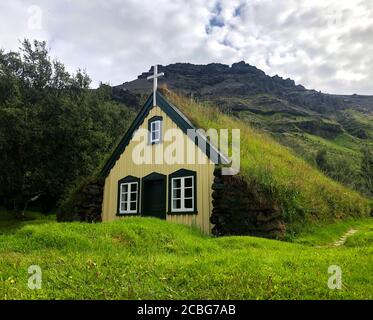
[155, 130]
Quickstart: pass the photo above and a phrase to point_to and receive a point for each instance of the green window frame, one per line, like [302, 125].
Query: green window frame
[155, 130]
[128, 196]
[182, 192]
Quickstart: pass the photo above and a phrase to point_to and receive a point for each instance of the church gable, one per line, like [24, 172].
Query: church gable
[176, 116]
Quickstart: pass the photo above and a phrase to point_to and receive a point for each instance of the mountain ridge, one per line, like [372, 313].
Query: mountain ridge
[213, 74]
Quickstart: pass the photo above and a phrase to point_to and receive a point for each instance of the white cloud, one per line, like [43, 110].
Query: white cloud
[323, 44]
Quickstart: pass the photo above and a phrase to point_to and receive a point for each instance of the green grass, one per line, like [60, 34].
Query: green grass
[327, 234]
[359, 120]
[306, 145]
[144, 258]
[338, 145]
[363, 238]
[8, 222]
[288, 129]
[305, 195]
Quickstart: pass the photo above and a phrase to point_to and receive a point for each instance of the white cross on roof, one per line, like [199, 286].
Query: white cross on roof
[155, 77]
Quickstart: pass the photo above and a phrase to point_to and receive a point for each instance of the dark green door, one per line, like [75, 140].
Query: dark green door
[154, 200]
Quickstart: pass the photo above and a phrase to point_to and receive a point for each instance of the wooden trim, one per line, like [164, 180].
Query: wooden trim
[194, 212]
[154, 176]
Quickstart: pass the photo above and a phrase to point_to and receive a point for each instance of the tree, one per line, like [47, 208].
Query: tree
[54, 130]
[322, 161]
[367, 167]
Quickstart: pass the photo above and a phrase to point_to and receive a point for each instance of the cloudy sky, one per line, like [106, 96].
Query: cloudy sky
[323, 44]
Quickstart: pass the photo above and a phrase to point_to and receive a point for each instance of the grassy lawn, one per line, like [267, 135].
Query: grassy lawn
[9, 225]
[326, 235]
[144, 258]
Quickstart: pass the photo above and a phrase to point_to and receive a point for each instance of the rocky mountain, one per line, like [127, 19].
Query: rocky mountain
[241, 79]
[307, 121]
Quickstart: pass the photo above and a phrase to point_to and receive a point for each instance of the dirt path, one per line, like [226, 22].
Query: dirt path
[343, 239]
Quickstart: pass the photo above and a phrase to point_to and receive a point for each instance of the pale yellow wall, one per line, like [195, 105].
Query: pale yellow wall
[125, 166]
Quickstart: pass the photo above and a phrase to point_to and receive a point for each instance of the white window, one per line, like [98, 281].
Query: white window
[155, 131]
[128, 198]
[182, 196]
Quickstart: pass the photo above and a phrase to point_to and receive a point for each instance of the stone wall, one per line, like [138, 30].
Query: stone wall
[84, 205]
[241, 209]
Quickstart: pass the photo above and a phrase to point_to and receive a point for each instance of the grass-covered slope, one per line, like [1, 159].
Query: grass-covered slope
[145, 258]
[304, 194]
